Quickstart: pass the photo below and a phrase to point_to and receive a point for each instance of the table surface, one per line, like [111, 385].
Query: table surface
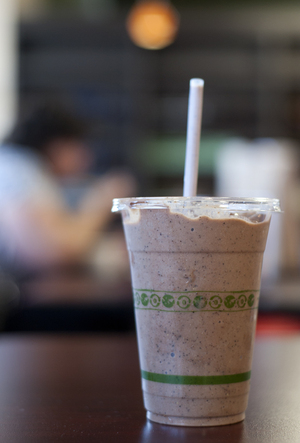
[86, 388]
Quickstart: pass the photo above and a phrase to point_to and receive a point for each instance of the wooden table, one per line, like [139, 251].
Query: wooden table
[86, 388]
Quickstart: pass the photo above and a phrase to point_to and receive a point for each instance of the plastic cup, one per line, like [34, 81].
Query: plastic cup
[196, 267]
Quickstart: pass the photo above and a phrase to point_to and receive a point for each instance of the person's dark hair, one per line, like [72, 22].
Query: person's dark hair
[44, 125]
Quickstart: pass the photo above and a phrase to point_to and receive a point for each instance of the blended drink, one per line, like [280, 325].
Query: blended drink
[196, 267]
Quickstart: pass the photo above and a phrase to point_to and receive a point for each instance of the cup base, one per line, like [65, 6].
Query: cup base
[197, 421]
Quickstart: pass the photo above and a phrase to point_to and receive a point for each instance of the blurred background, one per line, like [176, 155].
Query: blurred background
[86, 55]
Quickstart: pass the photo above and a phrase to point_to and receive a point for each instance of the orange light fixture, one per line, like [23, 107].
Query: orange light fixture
[152, 24]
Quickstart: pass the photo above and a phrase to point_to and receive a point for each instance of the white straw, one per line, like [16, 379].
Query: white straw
[193, 137]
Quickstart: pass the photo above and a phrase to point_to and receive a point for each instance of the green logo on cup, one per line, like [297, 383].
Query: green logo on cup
[144, 299]
[251, 300]
[242, 300]
[137, 298]
[194, 301]
[229, 301]
[168, 301]
[184, 301]
[200, 302]
[155, 300]
[215, 301]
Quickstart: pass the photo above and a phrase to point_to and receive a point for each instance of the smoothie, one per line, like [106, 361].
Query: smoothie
[196, 282]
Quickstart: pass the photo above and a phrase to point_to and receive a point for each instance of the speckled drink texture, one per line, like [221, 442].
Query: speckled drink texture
[172, 254]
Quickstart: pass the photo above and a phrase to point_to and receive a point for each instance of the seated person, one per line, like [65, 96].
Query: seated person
[37, 228]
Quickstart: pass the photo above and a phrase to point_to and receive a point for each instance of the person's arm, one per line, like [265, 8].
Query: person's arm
[47, 234]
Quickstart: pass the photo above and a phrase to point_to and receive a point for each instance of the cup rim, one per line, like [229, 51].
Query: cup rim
[259, 204]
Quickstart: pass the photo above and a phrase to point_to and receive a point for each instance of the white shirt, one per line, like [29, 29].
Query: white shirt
[24, 180]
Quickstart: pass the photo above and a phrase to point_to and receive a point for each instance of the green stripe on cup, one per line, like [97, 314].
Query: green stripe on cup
[196, 379]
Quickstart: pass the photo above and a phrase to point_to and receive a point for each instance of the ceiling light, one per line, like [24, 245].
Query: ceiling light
[152, 24]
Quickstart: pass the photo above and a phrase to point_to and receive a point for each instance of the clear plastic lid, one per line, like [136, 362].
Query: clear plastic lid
[220, 203]
[194, 207]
